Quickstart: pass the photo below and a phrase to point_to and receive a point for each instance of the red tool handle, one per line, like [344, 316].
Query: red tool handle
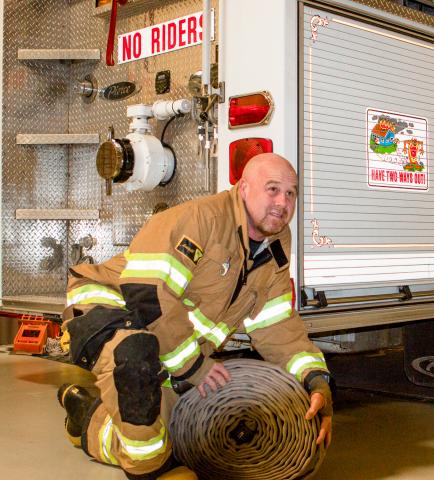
[109, 60]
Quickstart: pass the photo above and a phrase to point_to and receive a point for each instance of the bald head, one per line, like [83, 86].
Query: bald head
[266, 162]
[268, 188]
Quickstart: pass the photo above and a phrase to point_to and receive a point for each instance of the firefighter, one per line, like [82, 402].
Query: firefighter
[146, 321]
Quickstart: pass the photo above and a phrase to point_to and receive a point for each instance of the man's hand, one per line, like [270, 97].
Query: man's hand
[325, 433]
[217, 376]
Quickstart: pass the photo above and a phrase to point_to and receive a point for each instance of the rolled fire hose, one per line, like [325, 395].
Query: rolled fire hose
[253, 428]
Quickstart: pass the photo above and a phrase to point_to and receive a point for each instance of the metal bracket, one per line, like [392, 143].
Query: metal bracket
[87, 88]
[303, 298]
[406, 293]
[321, 298]
[222, 94]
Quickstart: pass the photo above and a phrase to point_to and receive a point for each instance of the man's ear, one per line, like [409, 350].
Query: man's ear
[243, 188]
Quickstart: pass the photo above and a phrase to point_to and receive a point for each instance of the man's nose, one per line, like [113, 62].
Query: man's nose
[280, 199]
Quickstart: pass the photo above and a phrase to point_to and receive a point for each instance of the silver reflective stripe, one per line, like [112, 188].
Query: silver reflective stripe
[306, 361]
[94, 294]
[180, 356]
[301, 362]
[105, 441]
[143, 449]
[158, 265]
[274, 311]
[206, 328]
[135, 449]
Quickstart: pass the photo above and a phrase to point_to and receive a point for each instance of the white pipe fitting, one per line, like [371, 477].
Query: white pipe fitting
[163, 110]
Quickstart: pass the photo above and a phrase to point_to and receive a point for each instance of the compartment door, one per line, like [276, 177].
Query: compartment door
[367, 162]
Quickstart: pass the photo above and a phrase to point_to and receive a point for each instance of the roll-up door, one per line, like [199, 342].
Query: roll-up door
[367, 163]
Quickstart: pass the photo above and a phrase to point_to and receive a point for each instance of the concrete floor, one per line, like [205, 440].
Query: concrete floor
[375, 437]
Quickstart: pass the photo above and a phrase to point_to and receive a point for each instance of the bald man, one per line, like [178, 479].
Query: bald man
[147, 321]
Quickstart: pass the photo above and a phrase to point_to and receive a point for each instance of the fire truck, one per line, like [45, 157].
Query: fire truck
[113, 111]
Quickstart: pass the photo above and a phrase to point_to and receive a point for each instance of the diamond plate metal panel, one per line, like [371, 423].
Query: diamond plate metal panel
[34, 255]
[125, 212]
[40, 105]
[35, 100]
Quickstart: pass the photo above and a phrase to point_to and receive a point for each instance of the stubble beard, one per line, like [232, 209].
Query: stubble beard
[269, 228]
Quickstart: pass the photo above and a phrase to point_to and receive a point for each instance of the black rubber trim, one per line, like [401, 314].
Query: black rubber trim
[278, 253]
[180, 386]
[316, 373]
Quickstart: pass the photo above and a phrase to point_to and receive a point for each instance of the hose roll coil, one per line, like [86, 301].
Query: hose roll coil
[253, 428]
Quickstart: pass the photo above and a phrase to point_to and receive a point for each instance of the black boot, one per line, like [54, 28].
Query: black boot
[77, 402]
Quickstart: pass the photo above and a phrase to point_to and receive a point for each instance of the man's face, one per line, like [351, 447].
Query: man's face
[270, 199]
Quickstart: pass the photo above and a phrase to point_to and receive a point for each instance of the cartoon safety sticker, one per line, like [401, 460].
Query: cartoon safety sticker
[396, 150]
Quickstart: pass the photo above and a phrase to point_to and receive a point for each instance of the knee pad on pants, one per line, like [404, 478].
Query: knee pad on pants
[136, 378]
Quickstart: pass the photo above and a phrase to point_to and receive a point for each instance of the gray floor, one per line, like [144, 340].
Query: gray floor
[374, 437]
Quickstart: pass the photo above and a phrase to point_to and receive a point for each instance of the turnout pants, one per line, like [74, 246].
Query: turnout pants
[129, 425]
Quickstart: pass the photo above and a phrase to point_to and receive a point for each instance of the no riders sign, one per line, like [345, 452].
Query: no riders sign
[162, 38]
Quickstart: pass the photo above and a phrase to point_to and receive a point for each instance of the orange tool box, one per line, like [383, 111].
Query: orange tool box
[33, 333]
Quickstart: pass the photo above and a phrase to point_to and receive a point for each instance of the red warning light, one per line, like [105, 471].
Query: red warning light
[250, 110]
[241, 151]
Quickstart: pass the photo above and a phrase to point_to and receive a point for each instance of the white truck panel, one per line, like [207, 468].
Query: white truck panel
[258, 51]
[355, 233]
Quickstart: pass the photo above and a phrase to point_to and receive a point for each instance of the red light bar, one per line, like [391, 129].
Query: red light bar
[241, 151]
[249, 110]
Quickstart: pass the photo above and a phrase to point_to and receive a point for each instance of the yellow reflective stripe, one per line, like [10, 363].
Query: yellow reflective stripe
[105, 442]
[305, 361]
[218, 334]
[274, 311]
[94, 293]
[180, 356]
[144, 449]
[167, 383]
[208, 329]
[158, 265]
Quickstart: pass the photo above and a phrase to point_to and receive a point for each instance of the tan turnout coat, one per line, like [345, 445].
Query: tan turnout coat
[189, 260]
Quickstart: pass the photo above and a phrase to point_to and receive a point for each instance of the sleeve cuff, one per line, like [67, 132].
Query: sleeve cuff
[197, 377]
[319, 385]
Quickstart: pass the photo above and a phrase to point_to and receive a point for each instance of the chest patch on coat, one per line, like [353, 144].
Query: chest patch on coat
[191, 250]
